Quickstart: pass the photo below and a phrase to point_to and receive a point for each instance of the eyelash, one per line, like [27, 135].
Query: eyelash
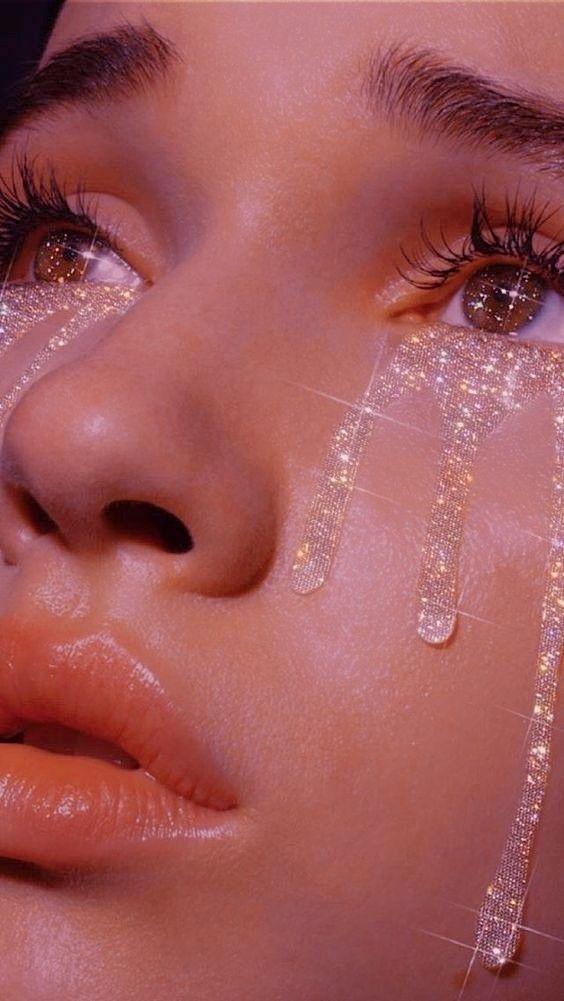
[523, 221]
[30, 198]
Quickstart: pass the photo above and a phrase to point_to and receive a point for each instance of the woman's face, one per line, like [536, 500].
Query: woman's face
[262, 195]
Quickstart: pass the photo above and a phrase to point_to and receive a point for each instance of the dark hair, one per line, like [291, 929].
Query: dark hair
[25, 26]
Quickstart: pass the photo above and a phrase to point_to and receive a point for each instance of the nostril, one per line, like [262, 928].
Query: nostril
[149, 523]
[38, 517]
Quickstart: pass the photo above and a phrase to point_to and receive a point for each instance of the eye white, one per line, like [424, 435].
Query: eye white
[107, 267]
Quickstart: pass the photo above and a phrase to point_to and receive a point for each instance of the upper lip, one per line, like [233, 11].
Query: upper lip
[93, 684]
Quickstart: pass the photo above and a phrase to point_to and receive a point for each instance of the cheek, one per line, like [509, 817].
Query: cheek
[412, 745]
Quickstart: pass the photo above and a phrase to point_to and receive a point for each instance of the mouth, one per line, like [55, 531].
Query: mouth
[97, 762]
[64, 740]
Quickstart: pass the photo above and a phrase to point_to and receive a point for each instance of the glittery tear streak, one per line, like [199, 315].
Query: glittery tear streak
[478, 380]
[23, 306]
[316, 552]
[500, 917]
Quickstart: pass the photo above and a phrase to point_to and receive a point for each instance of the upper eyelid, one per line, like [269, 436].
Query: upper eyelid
[106, 235]
[70, 201]
[446, 274]
[111, 234]
[519, 229]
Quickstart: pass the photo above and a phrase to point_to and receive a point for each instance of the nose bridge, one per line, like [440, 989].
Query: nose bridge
[146, 427]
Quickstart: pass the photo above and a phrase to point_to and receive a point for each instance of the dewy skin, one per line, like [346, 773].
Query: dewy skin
[477, 379]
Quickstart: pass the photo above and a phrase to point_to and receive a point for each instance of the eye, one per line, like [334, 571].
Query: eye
[66, 255]
[508, 299]
[508, 272]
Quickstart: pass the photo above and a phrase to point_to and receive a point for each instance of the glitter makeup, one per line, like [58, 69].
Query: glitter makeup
[477, 379]
[24, 305]
[499, 919]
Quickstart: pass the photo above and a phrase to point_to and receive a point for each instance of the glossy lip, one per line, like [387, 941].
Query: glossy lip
[57, 809]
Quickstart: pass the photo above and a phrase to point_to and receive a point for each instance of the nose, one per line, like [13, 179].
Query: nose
[107, 452]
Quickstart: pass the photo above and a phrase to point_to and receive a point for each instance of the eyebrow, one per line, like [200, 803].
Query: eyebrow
[411, 87]
[95, 69]
[415, 88]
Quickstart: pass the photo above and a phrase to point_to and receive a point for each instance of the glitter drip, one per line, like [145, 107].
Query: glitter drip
[477, 379]
[24, 305]
[316, 552]
[499, 919]
[477, 382]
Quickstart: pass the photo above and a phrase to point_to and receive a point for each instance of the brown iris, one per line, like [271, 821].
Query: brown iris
[503, 298]
[62, 257]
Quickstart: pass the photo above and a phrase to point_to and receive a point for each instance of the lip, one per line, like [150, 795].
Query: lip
[60, 809]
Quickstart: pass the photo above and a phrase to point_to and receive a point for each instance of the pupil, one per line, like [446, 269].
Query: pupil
[503, 298]
[59, 257]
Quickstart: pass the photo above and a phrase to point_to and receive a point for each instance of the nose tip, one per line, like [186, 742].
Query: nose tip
[101, 455]
[80, 470]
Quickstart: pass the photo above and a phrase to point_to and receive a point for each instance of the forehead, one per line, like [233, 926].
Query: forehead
[292, 51]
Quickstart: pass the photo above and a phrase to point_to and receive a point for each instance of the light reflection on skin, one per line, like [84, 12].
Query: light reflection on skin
[478, 381]
[355, 745]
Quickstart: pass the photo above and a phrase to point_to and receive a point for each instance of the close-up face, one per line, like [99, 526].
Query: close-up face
[282, 453]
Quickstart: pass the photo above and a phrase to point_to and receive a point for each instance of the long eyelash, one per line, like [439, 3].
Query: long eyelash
[32, 196]
[522, 224]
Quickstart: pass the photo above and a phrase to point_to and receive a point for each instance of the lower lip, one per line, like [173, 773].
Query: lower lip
[60, 810]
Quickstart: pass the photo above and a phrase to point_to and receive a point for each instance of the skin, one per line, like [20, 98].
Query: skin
[379, 775]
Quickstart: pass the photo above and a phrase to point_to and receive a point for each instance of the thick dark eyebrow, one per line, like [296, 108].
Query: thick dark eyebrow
[411, 87]
[419, 90]
[97, 68]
